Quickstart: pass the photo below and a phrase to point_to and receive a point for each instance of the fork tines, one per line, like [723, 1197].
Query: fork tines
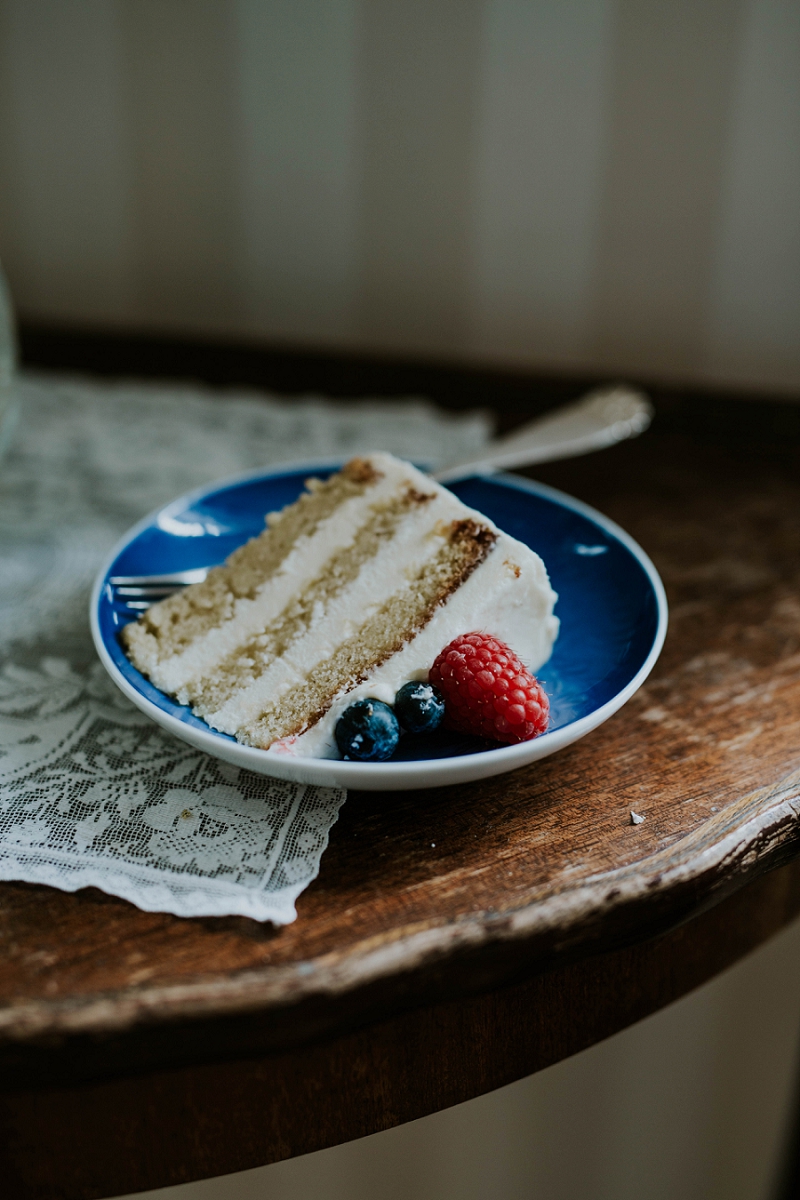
[140, 591]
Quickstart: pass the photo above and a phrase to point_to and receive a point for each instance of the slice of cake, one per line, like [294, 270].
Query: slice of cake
[350, 591]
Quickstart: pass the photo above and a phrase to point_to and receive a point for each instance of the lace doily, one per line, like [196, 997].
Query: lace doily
[91, 791]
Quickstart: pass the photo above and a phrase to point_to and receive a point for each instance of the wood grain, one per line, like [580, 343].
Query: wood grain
[432, 906]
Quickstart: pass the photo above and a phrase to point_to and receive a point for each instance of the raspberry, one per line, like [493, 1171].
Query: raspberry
[488, 691]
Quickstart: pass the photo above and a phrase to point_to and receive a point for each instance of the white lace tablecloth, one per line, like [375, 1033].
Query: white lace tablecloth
[91, 791]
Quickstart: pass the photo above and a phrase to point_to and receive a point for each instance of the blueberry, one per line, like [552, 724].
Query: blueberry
[419, 707]
[367, 731]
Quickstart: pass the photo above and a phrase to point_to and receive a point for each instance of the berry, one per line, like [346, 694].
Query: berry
[419, 707]
[488, 691]
[367, 731]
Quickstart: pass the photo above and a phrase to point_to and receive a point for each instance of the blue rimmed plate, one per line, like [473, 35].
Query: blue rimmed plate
[611, 603]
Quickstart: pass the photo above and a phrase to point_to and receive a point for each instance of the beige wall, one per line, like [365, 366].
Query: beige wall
[569, 183]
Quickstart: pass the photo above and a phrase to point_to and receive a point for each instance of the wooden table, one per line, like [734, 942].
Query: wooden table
[139, 1049]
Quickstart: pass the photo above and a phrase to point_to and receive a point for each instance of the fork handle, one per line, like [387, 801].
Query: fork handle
[601, 418]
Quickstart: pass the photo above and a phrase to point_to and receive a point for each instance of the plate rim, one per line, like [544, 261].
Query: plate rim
[385, 776]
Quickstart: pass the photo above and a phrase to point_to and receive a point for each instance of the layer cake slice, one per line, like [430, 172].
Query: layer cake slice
[350, 591]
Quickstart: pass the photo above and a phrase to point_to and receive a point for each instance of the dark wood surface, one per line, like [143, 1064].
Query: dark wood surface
[168, 1126]
[541, 920]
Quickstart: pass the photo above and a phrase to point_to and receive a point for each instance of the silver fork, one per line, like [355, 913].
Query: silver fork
[601, 418]
[140, 591]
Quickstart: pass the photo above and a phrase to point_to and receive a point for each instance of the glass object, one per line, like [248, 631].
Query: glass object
[9, 404]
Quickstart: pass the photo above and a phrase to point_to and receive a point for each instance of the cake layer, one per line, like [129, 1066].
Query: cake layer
[169, 628]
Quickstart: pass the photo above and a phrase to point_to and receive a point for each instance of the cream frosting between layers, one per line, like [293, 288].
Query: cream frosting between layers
[302, 564]
[417, 541]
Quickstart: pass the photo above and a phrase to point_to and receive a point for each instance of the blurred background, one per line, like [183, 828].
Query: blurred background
[609, 187]
[600, 185]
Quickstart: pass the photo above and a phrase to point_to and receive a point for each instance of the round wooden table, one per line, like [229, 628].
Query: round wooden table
[456, 939]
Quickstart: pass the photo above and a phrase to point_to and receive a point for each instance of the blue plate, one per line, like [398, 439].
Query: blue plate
[611, 603]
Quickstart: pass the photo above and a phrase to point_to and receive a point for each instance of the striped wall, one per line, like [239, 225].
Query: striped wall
[586, 184]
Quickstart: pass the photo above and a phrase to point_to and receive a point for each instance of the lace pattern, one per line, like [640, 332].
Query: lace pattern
[92, 793]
